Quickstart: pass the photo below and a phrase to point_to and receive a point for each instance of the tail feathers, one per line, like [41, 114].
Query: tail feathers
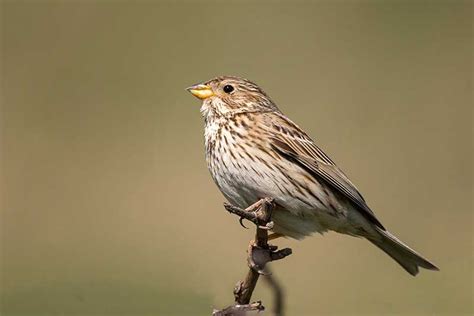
[401, 253]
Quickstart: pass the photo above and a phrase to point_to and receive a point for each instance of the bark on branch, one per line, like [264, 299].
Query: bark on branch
[259, 253]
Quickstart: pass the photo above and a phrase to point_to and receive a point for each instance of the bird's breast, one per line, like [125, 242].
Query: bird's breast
[246, 168]
[228, 162]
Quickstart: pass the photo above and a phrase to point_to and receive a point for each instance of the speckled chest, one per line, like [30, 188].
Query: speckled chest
[225, 143]
[230, 159]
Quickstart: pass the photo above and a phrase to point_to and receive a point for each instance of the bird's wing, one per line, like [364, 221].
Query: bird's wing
[296, 146]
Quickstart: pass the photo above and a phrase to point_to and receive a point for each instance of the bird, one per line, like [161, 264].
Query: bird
[253, 151]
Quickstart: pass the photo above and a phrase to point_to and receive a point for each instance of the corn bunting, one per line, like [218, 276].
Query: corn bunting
[254, 151]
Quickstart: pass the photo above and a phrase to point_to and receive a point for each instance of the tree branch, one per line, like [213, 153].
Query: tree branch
[239, 309]
[259, 253]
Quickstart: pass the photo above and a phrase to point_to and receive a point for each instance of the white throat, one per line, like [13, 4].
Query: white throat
[213, 107]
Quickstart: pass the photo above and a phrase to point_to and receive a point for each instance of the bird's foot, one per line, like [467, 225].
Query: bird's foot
[254, 213]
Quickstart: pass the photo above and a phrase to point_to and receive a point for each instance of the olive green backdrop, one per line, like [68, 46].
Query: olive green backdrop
[107, 205]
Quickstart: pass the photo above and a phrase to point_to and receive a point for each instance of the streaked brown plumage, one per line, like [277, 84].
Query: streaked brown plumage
[254, 151]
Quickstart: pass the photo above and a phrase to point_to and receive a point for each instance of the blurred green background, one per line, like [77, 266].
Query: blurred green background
[107, 205]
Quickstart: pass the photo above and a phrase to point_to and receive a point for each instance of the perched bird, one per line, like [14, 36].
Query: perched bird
[254, 151]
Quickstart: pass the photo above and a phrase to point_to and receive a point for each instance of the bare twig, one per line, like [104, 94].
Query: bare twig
[239, 309]
[258, 255]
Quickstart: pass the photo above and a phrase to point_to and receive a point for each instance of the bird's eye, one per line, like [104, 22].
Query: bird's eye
[228, 88]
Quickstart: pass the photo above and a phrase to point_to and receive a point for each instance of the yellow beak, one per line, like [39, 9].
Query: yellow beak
[201, 91]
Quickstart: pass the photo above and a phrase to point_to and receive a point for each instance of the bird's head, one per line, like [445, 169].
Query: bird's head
[228, 95]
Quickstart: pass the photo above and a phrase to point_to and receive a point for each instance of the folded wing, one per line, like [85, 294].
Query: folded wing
[293, 144]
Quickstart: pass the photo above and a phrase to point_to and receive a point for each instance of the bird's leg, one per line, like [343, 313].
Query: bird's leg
[256, 205]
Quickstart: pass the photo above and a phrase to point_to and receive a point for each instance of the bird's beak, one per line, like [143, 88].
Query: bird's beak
[201, 91]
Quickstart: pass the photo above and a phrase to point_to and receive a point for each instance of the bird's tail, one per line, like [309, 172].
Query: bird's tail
[401, 253]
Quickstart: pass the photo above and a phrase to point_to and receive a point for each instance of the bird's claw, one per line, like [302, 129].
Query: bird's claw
[253, 213]
[241, 222]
